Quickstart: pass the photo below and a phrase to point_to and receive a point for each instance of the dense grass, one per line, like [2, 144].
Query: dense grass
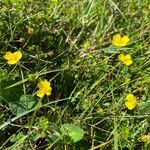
[71, 46]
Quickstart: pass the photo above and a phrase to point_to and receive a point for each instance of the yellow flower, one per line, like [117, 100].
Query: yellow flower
[120, 41]
[145, 138]
[86, 44]
[54, 1]
[131, 101]
[13, 58]
[44, 88]
[99, 110]
[126, 59]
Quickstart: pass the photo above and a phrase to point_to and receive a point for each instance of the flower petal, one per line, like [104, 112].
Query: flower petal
[128, 56]
[17, 55]
[40, 93]
[8, 55]
[116, 40]
[12, 62]
[129, 105]
[128, 62]
[121, 57]
[48, 92]
[125, 39]
[130, 97]
[117, 37]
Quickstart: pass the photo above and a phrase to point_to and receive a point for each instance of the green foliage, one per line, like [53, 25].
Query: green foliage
[71, 133]
[25, 103]
[144, 107]
[70, 46]
[17, 137]
[11, 94]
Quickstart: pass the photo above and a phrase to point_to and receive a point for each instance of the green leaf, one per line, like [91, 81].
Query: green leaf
[144, 107]
[25, 103]
[16, 108]
[72, 132]
[28, 101]
[12, 94]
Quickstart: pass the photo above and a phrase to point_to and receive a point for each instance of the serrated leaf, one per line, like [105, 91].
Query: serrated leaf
[16, 108]
[25, 103]
[73, 132]
[28, 101]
